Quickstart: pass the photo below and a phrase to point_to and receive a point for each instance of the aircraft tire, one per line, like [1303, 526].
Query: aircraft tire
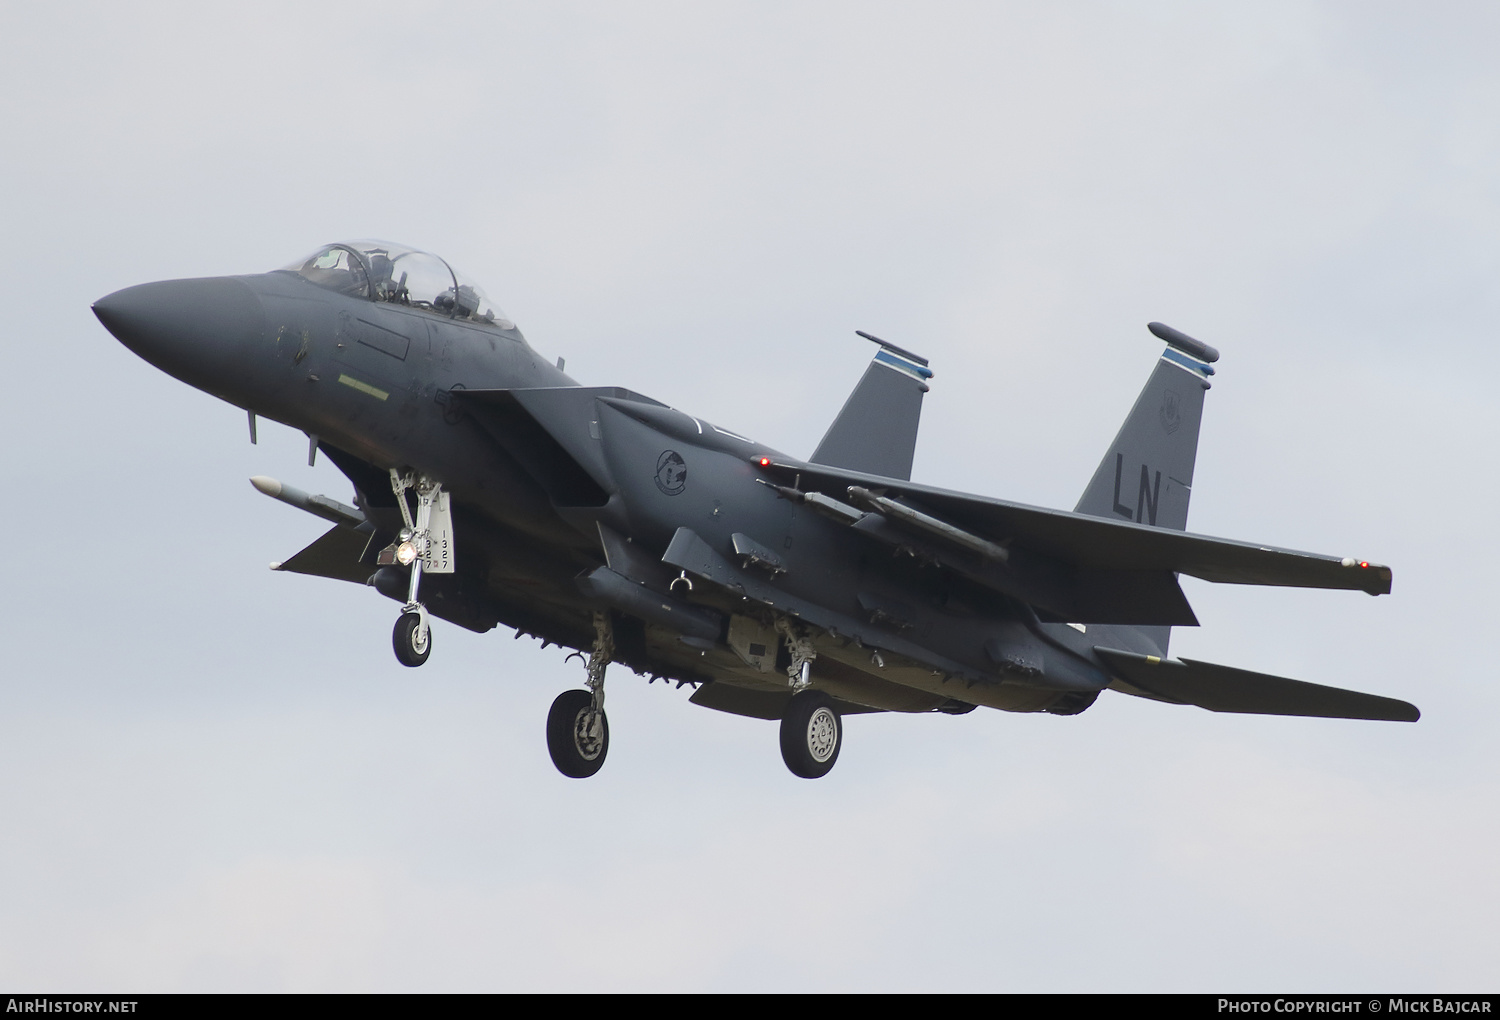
[576, 751]
[404, 639]
[812, 735]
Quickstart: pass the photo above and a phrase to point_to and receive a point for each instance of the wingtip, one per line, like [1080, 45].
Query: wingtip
[1377, 576]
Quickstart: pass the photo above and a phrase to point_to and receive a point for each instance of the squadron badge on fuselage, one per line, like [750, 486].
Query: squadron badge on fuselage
[671, 473]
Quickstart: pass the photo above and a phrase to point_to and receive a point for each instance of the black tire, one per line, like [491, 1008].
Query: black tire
[576, 752]
[812, 733]
[404, 640]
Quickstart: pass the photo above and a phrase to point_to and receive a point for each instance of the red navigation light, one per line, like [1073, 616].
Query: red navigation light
[1365, 564]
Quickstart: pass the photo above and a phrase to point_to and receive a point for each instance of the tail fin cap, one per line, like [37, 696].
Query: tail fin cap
[1183, 342]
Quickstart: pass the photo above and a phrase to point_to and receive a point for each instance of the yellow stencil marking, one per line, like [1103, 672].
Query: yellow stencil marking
[363, 387]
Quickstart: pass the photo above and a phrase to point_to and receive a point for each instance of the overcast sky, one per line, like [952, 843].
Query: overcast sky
[217, 777]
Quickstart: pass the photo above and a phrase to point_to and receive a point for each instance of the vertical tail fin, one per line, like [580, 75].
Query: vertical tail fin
[876, 432]
[1147, 475]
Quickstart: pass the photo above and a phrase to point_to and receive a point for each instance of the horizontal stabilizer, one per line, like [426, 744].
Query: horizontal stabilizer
[337, 555]
[1226, 689]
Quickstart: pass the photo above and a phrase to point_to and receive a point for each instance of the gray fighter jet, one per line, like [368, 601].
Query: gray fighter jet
[490, 488]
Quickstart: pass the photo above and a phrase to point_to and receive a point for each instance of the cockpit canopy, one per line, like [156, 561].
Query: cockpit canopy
[381, 271]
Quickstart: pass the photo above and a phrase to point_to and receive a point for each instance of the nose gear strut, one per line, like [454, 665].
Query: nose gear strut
[412, 637]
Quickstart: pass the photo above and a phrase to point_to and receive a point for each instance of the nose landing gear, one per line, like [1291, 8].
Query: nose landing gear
[577, 728]
[412, 637]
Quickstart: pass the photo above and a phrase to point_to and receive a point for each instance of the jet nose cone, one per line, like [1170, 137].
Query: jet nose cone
[192, 329]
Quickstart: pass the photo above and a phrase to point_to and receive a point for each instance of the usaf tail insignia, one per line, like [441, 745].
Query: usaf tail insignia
[1171, 410]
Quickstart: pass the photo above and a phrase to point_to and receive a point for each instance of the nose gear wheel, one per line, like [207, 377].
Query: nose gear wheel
[412, 641]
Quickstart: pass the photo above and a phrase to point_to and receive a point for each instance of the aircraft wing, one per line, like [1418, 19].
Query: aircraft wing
[1226, 689]
[1100, 543]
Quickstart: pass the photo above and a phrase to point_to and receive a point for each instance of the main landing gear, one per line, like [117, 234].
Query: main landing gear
[577, 728]
[811, 729]
[811, 735]
[412, 637]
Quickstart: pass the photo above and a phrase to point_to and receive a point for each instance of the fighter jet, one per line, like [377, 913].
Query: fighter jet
[490, 489]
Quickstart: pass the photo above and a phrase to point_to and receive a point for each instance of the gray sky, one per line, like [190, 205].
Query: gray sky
[217, 777]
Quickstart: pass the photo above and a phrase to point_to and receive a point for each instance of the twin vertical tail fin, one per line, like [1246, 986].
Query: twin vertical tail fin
[876, 432]
[1147, 475]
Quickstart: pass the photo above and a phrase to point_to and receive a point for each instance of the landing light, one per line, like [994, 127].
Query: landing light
[406, 552]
